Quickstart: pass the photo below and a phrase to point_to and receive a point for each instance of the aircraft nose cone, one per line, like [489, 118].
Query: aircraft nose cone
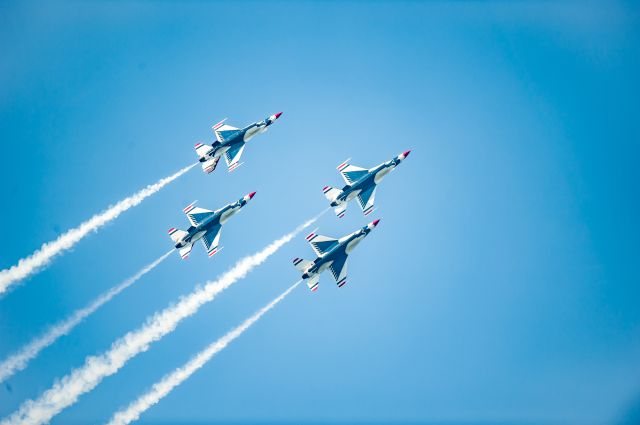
[406, 154]
[278, 115]
[375, 222]
[251, 195]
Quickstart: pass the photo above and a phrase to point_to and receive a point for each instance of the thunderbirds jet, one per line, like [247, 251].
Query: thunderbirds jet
[361, 184]
[230, 143]
[205, 226]
[332, 254]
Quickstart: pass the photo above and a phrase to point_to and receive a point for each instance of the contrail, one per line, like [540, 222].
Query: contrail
[163, 387]
[43, 256]
[19, 360]
[66, 391]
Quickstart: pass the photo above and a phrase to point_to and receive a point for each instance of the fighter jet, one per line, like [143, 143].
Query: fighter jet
[230, 143]
[205, 226]
[332, 254]
[361, 184]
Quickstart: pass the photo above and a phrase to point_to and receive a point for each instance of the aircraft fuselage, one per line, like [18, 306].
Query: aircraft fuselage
[344, 247]
[372, 178]
[194, 233]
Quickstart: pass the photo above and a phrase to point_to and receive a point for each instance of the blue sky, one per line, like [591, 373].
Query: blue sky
[500, 287]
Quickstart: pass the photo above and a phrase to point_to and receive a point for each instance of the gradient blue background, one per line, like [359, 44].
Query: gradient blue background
[502, 285]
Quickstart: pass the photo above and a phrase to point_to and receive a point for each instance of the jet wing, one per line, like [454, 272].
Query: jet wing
[233, 155]
[197, 215]
[321, 244]
[339, 269]
[211, 239]
[366, 199]
[224, 131]
[351, 173]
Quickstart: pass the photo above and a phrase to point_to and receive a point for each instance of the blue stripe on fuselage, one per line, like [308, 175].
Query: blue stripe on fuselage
[212, 221]
[339, 250]
[366, 182]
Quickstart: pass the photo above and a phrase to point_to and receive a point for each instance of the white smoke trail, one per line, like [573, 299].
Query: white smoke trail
[163, 387]
[19, 360]
[43, 256]
[66, 391]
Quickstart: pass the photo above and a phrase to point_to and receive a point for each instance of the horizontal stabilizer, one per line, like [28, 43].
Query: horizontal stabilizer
[313, 281]
[301, 264]
[331, 193]
[209, 165]
[184, 252]
[202, 149]
[341, 210]
[177, 235]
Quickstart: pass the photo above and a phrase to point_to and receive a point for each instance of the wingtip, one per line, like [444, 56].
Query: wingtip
[189, 207]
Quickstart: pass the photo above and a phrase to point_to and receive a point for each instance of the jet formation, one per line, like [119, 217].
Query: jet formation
[361, 184]
[205, 226]
[331, 253]
[230, 143]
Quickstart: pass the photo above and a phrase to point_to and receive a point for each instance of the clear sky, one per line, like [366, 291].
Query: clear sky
[502, 285]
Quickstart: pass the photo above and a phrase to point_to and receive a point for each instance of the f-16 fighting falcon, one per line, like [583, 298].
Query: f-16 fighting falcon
[230, 143]
[332, 254]
[205, 226]
[361, 184]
